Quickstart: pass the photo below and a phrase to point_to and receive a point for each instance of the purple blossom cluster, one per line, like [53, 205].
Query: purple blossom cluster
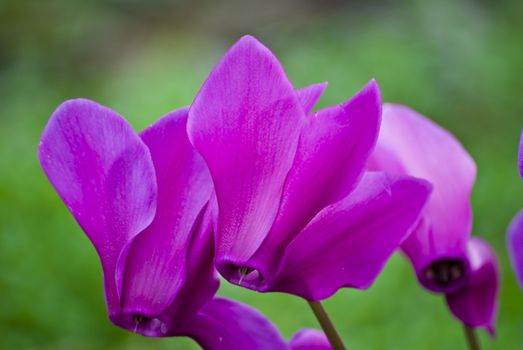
[251, 184]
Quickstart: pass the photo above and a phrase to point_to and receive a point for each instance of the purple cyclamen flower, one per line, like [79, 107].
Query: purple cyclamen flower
[296, 214]
[515, 231]
[309, 339]
[444, 257]
[412, 144]
[520, 155]
[246, 328]
[141, 200]
[475, 304]
[515, 246]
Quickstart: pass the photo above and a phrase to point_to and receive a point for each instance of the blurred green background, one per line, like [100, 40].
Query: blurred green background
[459, 62]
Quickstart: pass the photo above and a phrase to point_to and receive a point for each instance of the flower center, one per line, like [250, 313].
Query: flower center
[244, 272]
[446, 272]
[139, 319]
[242, 275]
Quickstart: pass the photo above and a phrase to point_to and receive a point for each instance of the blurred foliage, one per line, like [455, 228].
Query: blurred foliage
[458, 62]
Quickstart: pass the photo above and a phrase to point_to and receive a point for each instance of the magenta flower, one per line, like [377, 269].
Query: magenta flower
[296, 214]
[475, 304]
[141, 200]
[246, 328]
[520, 155]
[309, 339]
[515, 245]
[444, 258]
[515, 230]
[411, 144]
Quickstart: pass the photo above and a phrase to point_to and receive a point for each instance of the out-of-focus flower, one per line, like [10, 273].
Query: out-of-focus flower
[515, 245]
[476, 303]
[141, 200]
[309, 339]
[411, 144]
[515, 230]
[444, 257]
[226, 324]
[520, 155]
[296, 214]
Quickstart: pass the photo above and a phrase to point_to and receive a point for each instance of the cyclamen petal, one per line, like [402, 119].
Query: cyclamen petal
[309, 339]
[333, 150]
[246, 111]
[348, 243]
[275, 168]
[224, 324]
[310, 95]
[158, 264]
[104, 174]
[332, 153]
[520, 155]
[515, 246]
[413, 145]
[476, 304]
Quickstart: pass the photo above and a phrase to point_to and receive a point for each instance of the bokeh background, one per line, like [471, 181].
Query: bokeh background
[458, 61]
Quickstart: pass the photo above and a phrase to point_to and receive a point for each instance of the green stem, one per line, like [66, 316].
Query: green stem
[327, 325]
[472, 339]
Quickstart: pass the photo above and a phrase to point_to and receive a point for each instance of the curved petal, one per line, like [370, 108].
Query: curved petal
[104, 174]
[476, 305]
[246, 121]
[332, 153]
[201, 281]
[520, 155]
[310, 95]
[309, 339]
[158, 262]
[348, 243]
[199, 285]
[412, 144]
[224, 324]
[515, 245]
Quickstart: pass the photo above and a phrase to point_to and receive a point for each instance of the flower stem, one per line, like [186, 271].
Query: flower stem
[327, 325]
[472, 340]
